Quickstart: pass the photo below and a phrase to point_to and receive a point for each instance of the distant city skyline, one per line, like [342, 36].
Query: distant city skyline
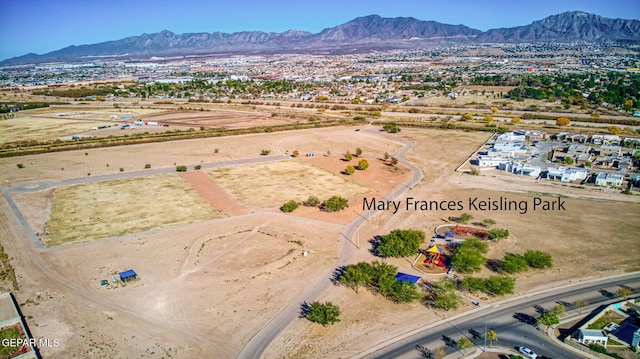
[38, 26]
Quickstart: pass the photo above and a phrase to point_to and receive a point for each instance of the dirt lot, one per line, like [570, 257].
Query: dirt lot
[116, 208]
[222, 119]
[270, 185]
[572, 236]
[239, 271]
[62, 122]
[102, 161]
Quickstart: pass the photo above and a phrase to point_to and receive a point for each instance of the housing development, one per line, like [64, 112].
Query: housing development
[461, 200]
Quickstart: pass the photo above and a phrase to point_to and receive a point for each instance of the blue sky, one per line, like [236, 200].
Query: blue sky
[41, 26]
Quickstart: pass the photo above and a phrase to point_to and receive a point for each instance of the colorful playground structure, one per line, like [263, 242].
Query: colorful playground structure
[468, 231]
[435, 257]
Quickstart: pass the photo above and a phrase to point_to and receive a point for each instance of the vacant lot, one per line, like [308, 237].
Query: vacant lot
[222, 118]
[236, 273]
[116, 208]
[74, 164]
[239, 272]
[41, 129]
[62, 122]
[270, 185]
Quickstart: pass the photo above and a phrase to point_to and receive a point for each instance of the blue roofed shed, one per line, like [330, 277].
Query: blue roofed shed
[408, 278]
[128, 275]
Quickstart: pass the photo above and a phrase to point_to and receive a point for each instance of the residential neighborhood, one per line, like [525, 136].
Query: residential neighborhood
[599, 160]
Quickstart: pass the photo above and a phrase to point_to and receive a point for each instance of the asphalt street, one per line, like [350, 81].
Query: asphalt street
[511, 320]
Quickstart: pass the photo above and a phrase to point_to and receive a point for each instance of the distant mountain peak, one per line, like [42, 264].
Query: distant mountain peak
[571, 15]
[366, 33]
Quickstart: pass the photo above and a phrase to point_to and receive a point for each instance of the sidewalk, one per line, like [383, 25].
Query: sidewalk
[478, 351]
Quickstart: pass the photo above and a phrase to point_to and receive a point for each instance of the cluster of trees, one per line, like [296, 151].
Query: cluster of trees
[443, 295]
[332, 204]
[494, 285]
[379, 277]
[362, 164]
[79, 92]
[617, 88]
[515, 263]
[470, 256]
[400, 243]
[4, 108]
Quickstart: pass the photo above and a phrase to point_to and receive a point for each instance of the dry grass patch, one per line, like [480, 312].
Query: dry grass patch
[41, 129]
[272, 184]
[51, 123]
[110, 209]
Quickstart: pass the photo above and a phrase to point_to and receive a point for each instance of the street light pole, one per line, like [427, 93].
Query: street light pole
[485, 337]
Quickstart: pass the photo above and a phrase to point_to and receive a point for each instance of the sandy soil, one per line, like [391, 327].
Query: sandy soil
[214, 194]
[208, 287]
[74, 164]
[222, 119]
[572, 236]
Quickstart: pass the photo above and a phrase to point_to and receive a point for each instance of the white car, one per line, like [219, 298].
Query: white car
[528, 352]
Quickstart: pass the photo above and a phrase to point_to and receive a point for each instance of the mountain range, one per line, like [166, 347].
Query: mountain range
[361, 34]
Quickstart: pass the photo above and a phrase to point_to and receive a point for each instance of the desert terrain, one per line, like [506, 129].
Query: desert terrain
[216, 258]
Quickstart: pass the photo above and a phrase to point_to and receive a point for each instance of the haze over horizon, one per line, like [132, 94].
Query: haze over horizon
[38, 26]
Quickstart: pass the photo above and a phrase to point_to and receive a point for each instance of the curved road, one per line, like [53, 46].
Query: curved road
[257, 345]
[501, 317]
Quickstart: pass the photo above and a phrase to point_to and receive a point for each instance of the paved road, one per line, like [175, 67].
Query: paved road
[258, 344]
[500, 316]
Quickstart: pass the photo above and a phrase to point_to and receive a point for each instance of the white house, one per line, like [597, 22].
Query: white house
[597, 139]
[613, 140]
[605, 179]
[593, 336]
[511, 137]
[565, 174]
[509, 147]
[491, 161]
[520, 169]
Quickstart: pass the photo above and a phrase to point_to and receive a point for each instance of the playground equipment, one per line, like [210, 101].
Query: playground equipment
[434, 257]
[466, 231]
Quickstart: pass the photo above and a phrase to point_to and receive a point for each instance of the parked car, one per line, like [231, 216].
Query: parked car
[528, 352]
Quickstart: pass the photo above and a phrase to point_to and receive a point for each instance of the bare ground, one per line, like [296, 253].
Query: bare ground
[208, 287]
[572, 237]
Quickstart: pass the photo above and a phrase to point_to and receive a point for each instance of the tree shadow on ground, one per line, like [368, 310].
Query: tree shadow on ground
[337, 273]
[494, 265]
[424, 352]
[375, 243]
[304, 310]
[449, 341]
[526, 319]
